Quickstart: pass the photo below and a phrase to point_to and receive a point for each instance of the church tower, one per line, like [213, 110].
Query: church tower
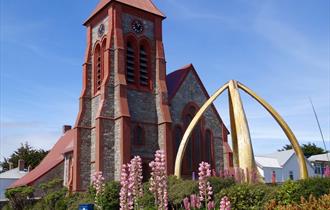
[123, 105]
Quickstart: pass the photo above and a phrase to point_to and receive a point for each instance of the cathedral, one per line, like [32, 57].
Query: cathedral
[129, 106]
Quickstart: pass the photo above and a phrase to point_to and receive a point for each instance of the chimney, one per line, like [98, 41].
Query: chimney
[21, 165]
[10, 165]
[29, 168]
[66, 128]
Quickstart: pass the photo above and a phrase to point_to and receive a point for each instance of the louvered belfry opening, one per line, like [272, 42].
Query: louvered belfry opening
[130, 62]
[144, 78]
[98, 68]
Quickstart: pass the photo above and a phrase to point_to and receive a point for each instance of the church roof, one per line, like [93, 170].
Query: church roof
[53, 158]
[175, 79]
[145, 5]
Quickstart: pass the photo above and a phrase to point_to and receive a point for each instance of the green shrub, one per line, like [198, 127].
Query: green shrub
[20, 197]
[110, 197]
[321, 203]
[292, 192]
[218, 183]
[178, 189]
[53, 196]
[147, 201]
[245, 196]
[73, 201]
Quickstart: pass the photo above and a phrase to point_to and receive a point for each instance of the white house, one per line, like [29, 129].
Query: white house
[320, 162]
[280, 166]
[8, 177]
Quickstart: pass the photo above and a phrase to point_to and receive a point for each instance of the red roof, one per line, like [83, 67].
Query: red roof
[145, 5]
[175, 79]
[53, 158]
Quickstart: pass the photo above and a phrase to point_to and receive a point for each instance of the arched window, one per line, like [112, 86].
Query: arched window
[97, 68]
[144, 66]
[193, 153]
[130, 63]
[177, 138]
[208, 147]
[139, 136]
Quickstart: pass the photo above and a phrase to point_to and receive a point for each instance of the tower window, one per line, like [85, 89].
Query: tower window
[130, 63]
[97, 68]
[144, 77]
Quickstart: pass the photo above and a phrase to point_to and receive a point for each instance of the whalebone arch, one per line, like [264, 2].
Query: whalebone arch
[242, 146]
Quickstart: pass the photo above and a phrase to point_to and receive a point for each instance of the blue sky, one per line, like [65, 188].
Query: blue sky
[278, 48]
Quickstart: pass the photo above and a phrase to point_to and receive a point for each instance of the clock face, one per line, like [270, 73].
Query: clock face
[101, 30]
[137, 26]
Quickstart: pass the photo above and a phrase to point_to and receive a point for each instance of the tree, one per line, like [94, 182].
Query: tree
[308, 149]
[286, 147]
[31, 156]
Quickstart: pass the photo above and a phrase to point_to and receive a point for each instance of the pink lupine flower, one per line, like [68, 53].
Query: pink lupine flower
[254, 176]
[98, 185]
[186, 203]
[205, 189]
[135, 178]
[98, 182]
[193, 200]
[225, 204]
[126, 201]
[210, 205]
[158, 180]
[327, 171]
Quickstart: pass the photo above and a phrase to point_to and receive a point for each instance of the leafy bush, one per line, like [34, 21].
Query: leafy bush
[20, 197]
[218, 183]
[292, 192]
[73, 201]
[109, 199]
[179, 189]
[147, 201]
[244, 196]
[312, 203]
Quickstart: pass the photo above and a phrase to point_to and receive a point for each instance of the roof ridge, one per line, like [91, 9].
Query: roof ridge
[145, 5]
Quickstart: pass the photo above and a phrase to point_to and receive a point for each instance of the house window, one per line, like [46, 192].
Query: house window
[139, 136]
[291, 175]
[144, 63]
[130, 63]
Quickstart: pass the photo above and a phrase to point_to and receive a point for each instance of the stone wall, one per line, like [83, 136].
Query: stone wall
[55, 173]
[191, 91]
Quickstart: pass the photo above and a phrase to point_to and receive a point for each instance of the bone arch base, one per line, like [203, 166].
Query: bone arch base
[251, 166]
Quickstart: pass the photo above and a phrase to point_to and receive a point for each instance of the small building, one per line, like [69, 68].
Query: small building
[280, 166]
[319, 162]
[10, 176]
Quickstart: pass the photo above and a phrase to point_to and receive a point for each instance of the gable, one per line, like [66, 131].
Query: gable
[184, 86]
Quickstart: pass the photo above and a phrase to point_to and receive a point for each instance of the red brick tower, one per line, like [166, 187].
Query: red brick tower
[123, 104]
